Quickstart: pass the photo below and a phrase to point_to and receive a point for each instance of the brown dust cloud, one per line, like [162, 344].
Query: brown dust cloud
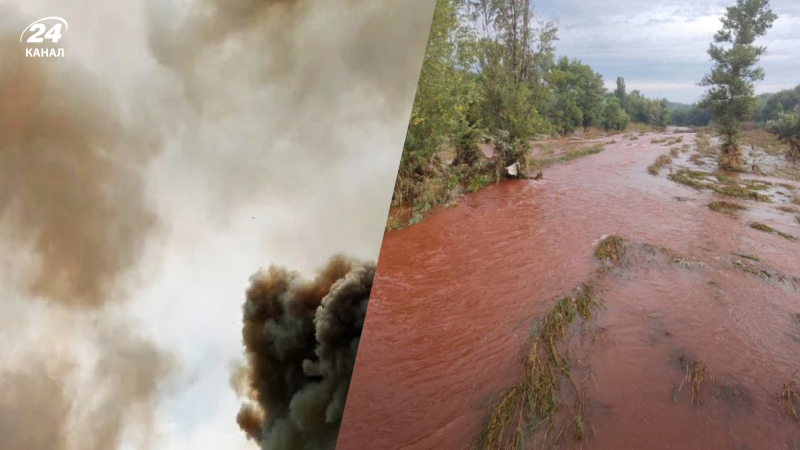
[297, 107]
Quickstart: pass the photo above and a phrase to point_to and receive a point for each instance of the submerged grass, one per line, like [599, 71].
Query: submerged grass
[695, 373]
[761, 227]
[610, 248]
[573, 154]
[747, 256]
[660, 163]
[726, 207]
[790, 396]
[725, 186]
[768, 229]
[531, 403]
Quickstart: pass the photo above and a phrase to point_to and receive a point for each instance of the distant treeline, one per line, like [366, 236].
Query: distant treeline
[769, 107]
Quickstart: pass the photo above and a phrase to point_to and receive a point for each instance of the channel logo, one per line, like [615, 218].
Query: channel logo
[38, 32]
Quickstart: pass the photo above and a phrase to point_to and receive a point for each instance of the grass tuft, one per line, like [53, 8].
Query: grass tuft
[761, 227]
[610, 248]
[790, 396]
[696, 373]
[698, 180]
[660, 163]
[726, 207]
[768, 229]
[533, 401]
[573, 154]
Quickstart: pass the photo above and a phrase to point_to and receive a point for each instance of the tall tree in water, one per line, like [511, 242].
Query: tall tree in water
[731, 94]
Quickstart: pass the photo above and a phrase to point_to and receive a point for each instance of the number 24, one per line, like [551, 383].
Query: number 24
[54, 34]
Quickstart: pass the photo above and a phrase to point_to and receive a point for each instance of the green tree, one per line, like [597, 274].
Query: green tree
[440, 108]
[731, 94]
[511, 56]
[621, 94]
[591, 92]
[787, 128]
[565, 82]
[614, 117]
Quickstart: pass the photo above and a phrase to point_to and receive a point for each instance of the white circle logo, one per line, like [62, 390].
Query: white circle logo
[37, 28]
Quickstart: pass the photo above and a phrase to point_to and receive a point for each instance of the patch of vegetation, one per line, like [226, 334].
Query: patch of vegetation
[611, 248]
[695, 373]
[674, 152]
[658, 140]
[532, 402]
[726, 207]
[767, 229]
[769, 275]
[764, 141]
[790, 396]
[673, 141]
[750, 257]
[761, 227]
[732, 188]
[696, 159]
[478, 182]
[573, 154]
[660, 163]
[393, 223]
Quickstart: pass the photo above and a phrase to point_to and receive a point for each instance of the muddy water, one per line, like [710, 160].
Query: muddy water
[455, 296]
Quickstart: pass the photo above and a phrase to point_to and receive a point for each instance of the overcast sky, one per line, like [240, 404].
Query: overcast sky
[659, 47]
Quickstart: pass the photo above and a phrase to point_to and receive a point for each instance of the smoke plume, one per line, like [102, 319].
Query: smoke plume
[69, 177]
[301, 339]
[73, 209]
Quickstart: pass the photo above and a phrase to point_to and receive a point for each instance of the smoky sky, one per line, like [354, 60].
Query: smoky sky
[174, 150]
[660, 47]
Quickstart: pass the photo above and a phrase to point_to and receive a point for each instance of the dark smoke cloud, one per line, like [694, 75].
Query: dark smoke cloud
[301, 339]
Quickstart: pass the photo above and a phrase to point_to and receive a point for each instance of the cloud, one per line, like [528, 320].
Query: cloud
[664, 43]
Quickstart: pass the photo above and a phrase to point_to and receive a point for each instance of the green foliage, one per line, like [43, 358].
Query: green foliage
[787, 128]
[730, 96]
[641, 109]
[771, 106]
[566, 114]
[621, 94]
[513, 58]
[689, 116]
[614, 117]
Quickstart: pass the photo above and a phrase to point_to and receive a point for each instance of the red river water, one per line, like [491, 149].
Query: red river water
[455, 296]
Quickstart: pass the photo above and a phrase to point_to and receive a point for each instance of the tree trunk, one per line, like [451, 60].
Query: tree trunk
[730, 158]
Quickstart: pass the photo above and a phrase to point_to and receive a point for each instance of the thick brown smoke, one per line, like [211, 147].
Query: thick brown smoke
[71, 193]
[69, 177]
[301, 339]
